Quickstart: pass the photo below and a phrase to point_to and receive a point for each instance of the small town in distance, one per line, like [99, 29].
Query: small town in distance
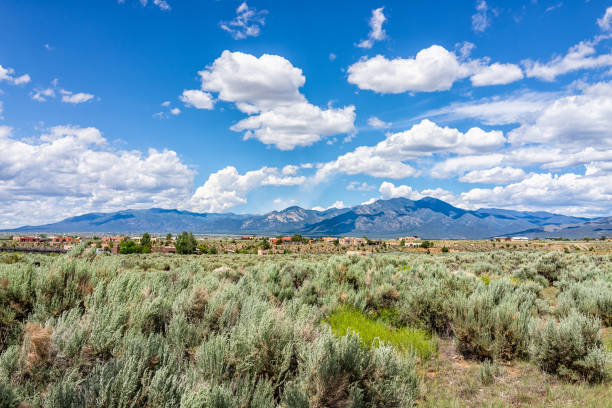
[189, 243]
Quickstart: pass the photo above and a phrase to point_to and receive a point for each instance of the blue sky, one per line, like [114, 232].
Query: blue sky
[248, 107]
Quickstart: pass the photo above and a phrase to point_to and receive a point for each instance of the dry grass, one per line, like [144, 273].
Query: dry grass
[452, 381]
[36, 344]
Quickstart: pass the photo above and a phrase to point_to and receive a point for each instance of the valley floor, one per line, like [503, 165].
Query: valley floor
[472, 327]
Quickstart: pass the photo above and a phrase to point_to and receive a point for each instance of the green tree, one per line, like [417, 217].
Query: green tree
[168, 239]
[265, 244]
[129, 247]
[297, 238]
[185, 243]
[145, 243]
[426, 244]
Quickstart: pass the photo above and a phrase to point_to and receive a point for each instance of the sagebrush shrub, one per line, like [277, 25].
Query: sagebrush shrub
[494, 322]
[570, 348]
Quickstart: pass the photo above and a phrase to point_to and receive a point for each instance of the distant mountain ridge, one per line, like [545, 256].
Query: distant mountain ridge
[428, 218]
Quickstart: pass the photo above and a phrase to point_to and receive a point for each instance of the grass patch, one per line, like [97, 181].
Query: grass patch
[372, 332]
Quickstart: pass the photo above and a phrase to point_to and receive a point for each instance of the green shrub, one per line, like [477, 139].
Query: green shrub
[340, 372]
[493, 322]
[8, 399]
[592, 298]
[550, 266]
[571, 348]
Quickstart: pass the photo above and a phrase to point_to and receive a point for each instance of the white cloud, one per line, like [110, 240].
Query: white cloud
[290, 170]
[357, 186]
[197, 99]
[175, 111]
[389, 190]
[76, 98]
[267, 89]
[162, 4]
[386, 159]
[432, 69]
[568, 194]
[578, 120]
[337, 205]
[41, 95]
[227, 188]
[332, 56]
[496, 175]
[8, 75]
[44, 94]
[363, 160]
[247, 23]
[72, 170]
[426, 138]
[254, 84]
[299, 124]
[480, 19]
[580, 56]
[497, 74]
[458, 165]
[377, 123]
[376, 31]
[605, 21]
[554, 7]
[165, 103]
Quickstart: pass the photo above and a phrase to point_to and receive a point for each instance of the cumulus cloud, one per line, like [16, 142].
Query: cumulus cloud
[337, 205]
[497, 74]
[426, 138]
[386, 159]
[567, 193]
[247, 23]
[363, 160]
[583, 119]
[71, 169]
[8, 75]
[227, 188]
[299, 124]
[377, 123]
[376, 31]
[388, 190]
[496, 175]
[197, 99]
[432, 69]
[268, 90]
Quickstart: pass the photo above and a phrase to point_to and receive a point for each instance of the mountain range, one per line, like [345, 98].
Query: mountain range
[428, 218]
